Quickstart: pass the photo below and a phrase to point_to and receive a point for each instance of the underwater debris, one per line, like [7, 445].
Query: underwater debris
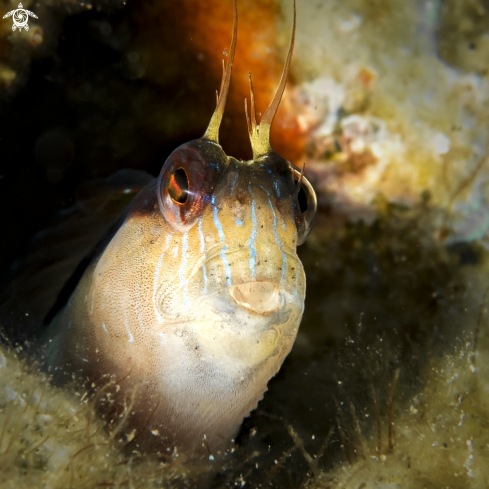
[52, 438]
[439, 440]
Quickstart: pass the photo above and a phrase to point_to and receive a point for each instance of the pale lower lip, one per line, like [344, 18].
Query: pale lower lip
[259, 297]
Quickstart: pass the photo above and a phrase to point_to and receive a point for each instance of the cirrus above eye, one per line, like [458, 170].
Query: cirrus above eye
[178, 186]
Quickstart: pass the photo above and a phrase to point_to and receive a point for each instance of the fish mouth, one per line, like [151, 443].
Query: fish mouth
[262, 298]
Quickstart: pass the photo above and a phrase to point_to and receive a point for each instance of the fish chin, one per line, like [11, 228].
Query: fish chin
[214, 367]
[202, 373]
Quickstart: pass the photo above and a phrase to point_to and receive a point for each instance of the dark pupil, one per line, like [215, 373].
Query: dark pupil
[302, 198]
[178, 186]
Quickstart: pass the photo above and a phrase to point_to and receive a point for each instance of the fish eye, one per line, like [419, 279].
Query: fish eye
[307, 206]
[178, 186]
[187, 181]
[302, 198]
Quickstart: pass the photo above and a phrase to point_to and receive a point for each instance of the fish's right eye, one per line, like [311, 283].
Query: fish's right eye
[187, 181]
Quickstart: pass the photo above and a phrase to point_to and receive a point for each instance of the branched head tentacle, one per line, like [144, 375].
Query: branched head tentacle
[212, 132]
[252, 126]
[260, 133]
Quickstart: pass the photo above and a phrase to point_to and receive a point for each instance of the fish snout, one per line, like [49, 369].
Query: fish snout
[262, 298]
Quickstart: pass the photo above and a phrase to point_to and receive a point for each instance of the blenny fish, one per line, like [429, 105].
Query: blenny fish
[195, 301]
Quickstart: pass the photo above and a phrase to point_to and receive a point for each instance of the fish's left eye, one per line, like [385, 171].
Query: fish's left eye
[302, 198]
[178, 186]
[307, 206]
[187, 181]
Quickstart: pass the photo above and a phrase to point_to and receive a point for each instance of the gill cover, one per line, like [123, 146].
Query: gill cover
[190, 174]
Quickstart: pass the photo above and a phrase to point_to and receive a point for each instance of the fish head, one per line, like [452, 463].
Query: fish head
[244, 220]
[235, 229]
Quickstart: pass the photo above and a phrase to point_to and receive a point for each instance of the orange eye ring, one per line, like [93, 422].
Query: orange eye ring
[178, 186]
[187, 180]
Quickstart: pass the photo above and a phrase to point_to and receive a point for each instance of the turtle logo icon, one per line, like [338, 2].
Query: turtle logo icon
[20, 18]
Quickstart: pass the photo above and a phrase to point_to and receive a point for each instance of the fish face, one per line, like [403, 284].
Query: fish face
[237, 260]
[245, 230]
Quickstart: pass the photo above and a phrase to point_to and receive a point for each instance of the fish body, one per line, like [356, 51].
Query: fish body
[188, 308]
[197, 316]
